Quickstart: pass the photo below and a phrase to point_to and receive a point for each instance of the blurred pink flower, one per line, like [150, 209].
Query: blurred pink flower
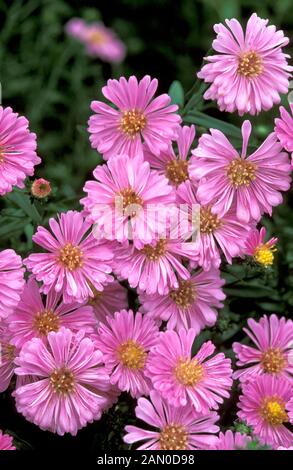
[249, 70]
[7, 356]
[17, 150]
[284, 128]
[137, 116]
[175, 428]
[231, 441]
[100, 41]
[75, 260]
[11, 281]
[263, 406]
[66, 382]
[252, 182]
[192, 305]
[125, 341]
[183, 379]
[41, 188]
[6, 442]
[32, 318]
[261, 251]
[273, 354]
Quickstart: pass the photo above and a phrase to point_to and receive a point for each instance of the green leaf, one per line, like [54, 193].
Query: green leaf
[23, 201]
[177, 93]
[203, 120]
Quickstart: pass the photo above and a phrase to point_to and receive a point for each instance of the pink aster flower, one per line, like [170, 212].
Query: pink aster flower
[75, 260]
[17, 150]
[7, 356]
[231, 441]
[34, 318]
[181, 379]
[111, 299]
[67, 382]
[263, 406]
[125, 342]
[170, 163]
[192, 305]
[284, 128]
[6, 442]
[100, 41]
[175, 428]
[250, 69]
[214, 234]
[127, 199]
[273, 351]
[137, 116]
[261, 251]
[156, 267]
[252, 182]
[285, 448]
[290, 409]
[11, 281]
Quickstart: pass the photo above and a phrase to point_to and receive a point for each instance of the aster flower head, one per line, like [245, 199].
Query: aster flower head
[7, 356]
[251, 182]
[272, 353]
[6, 442]
[11, 281]
[17, 150]
[41, 188]
[75, 260]
[170, 163]
[175, 428]
[193, 304]
[214, 234]
[137, 117]
[111, 299]
[261, 251]
[128, 200]
[155, 268]
[125, 342]
[263, 405]
[35, 318]
[249, 70]
[284, 128]
[99, 41]
[231, 441]
[66, 382]
[197, 381]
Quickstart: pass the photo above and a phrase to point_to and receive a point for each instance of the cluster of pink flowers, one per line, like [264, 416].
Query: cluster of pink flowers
[67, 332]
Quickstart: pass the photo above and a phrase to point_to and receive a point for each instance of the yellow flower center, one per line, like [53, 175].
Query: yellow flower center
[173, 437]
[71, 256]
[132, 355]
[272, 410]
[97, 38]
[241, 172]
[177, 171]
[153, 253]
[184, 296]
[46, 321]
[1, 154]
[188, 372]
[264, 255]
[273, 361]
[62, 381]
[250, 64]
[132, 122]
[7, 350]
[209, 222]
[130, 202]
